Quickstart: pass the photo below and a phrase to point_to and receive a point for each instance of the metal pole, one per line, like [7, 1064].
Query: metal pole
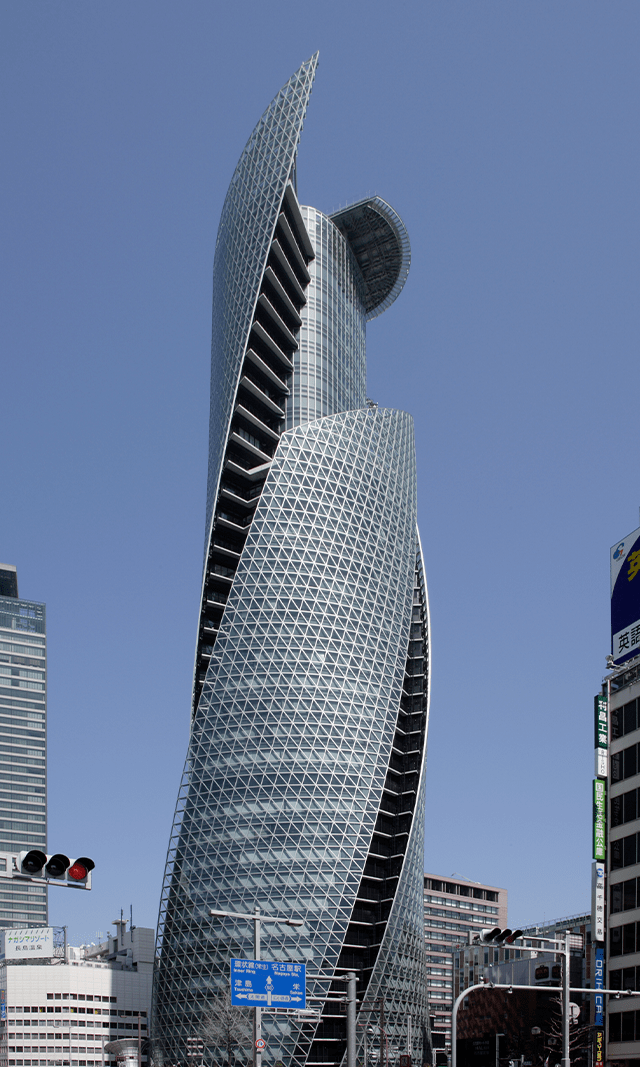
[257, 1012]
[498, 1036]
[381, 1032]
[139, 1043]
[566, 1060]
[351, 1019]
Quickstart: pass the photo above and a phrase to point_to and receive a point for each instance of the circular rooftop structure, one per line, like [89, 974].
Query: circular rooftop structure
[379, 241]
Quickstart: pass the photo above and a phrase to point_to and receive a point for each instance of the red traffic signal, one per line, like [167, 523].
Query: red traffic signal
[80, 870]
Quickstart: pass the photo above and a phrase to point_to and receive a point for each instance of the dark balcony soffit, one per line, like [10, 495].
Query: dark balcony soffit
[380, 243]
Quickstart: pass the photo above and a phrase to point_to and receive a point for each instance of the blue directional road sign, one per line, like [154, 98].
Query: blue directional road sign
[260, 984]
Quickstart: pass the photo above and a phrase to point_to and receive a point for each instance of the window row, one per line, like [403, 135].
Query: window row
[624, 1026]
[624, 978]
[460, 890]
[26, 650]
[625, 851]
[463, 904]
[624, 720]
[624, 939]
[625, 808]
[625, 764]
[625, 895]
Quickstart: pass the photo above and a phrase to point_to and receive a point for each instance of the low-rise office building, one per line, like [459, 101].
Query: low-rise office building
[61, 1011]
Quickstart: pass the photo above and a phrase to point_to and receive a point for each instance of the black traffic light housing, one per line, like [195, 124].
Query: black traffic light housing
[495, 936]
[32, 862]
[57, 868]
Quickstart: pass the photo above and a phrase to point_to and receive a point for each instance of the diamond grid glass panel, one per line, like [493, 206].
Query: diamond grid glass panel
[303, 788]
[294, 729]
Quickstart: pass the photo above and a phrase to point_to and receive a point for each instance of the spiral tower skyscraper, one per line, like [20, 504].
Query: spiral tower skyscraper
[303, 789]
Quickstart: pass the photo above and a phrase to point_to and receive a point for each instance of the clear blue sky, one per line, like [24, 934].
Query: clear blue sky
[505, 134]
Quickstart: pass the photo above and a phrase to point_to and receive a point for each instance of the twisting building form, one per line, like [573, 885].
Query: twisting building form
[303, 789]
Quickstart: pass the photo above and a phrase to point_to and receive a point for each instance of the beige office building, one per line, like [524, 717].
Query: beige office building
[454, 906]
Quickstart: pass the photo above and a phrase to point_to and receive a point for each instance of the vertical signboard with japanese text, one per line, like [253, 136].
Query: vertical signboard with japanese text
[599, 819]
[599, 1050]
[601, 739]
[625, 598]
[597, 902]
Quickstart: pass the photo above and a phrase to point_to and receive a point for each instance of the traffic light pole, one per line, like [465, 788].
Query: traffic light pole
[351, 1019]
[531, 989]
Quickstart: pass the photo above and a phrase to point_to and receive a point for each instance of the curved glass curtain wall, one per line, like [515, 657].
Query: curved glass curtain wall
[330, 369]
[247, 224]
[294, 729]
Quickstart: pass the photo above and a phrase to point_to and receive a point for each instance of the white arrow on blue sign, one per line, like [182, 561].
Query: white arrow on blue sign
[262, 984]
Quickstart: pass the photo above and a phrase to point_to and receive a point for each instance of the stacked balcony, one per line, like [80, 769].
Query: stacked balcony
[390, 837]
[258, 418]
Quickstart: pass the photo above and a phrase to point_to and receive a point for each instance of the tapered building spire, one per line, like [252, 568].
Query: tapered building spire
[303, 789]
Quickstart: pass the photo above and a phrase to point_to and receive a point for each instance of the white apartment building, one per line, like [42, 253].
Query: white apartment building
[61, 1012]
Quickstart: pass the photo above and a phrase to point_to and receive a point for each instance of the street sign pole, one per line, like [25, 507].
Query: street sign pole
[351, 1019]
[257, 1012]
[258, 919]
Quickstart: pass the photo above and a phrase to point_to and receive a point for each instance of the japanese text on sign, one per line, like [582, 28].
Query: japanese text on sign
[599, 819]
[258, 983]
[36, 941]
[601, 722]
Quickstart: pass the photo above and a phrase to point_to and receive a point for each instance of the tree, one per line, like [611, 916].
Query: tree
[224, 1026]
[580, 1036]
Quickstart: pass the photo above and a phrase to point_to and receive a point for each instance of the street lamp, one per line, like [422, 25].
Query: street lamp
[257, 918]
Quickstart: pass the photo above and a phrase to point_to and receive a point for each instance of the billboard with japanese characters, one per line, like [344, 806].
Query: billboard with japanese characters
[34, 943]
[599, 819]
[625, 598]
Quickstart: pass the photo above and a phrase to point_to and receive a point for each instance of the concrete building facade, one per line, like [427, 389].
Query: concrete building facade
[454, 908]
[622, 692]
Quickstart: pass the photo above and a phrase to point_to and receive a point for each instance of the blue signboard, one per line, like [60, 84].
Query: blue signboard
[625, 598]
[599, 984]
[262, 984]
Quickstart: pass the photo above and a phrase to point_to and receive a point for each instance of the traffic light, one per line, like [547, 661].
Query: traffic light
[495, 936]
[32, 862]
[58, 867]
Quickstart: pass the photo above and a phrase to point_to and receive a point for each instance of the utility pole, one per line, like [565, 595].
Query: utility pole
[566, 1061]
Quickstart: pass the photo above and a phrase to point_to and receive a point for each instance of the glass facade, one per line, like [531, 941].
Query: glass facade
[23, 748]
[330, 369]
[303, 788]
